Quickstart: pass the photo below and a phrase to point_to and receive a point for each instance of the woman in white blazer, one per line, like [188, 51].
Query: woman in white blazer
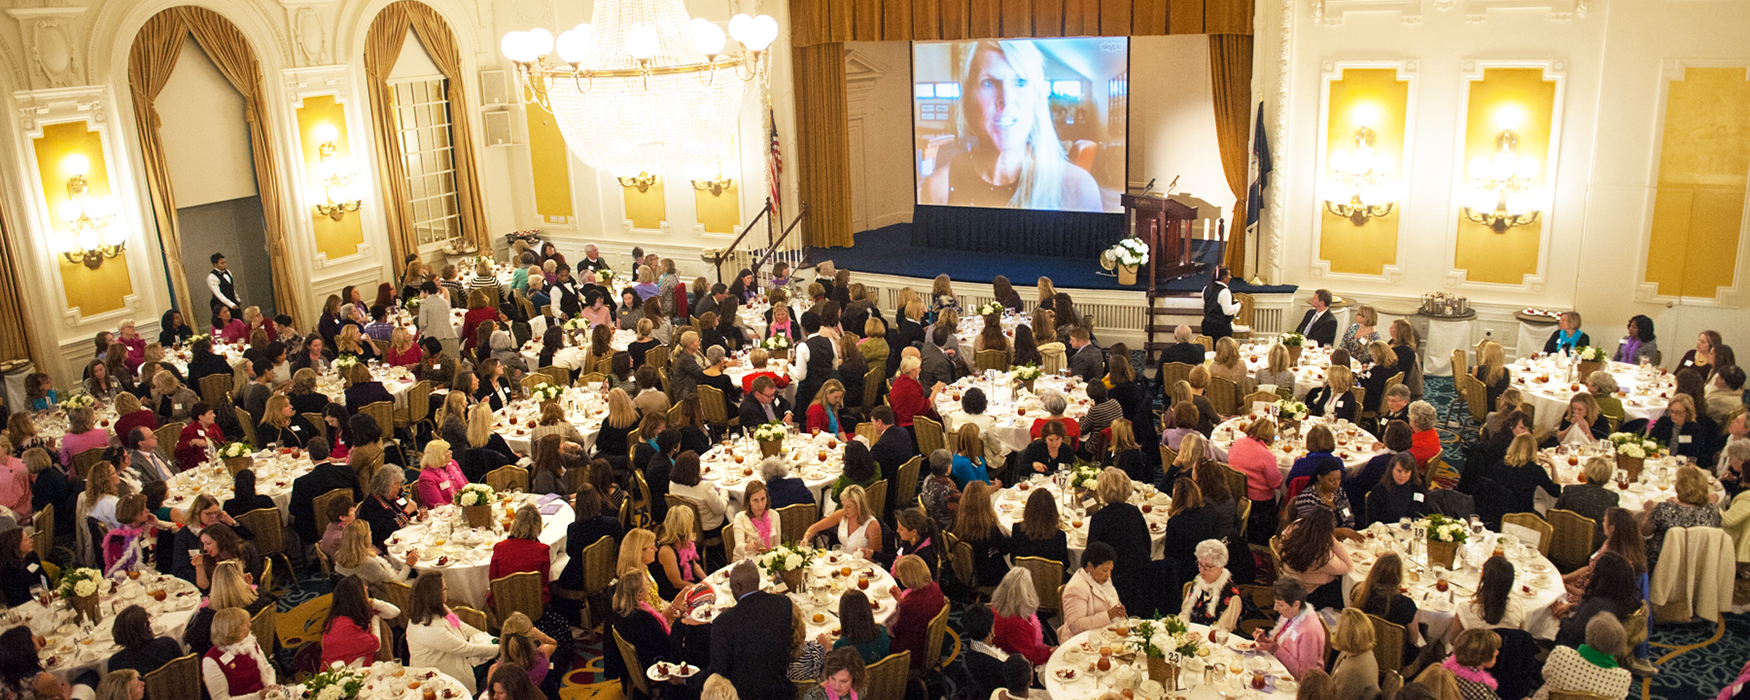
[1089, 599]
[436, 639]
[757, 527]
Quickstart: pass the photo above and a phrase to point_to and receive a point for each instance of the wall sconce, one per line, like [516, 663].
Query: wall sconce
[715, 185]
[1501, 195]
[335, 177]
[94, 235]
[1358, 190]
[643, 180]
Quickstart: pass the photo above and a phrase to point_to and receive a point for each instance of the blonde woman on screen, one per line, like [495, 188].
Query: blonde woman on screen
[1013, 157]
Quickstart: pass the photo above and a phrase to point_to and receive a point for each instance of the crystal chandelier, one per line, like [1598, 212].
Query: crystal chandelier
[643, 87]
[1501, 195]
[1358, 190]
[94, 234]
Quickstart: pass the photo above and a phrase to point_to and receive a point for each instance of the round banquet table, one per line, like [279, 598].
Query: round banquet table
[972, 324]
[585, 408]
[1013, 407]
[1549, 381]
[274, 473]
[576, 349]
[729, 465]
[1071, 673]
[52, 424]
[397, 380]
[1657, 481]
[1309, 372]
[819, 599]
[410, 683]
[1011, 503]
[1354, 445]
[232, 352]
[1437, 609]
[72, 648]
[463, 554]
[752, 316]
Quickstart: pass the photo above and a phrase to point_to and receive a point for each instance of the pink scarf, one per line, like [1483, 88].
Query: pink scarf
[834, 696]
[762, 526]
[455, 622]
[685, 555]
[653, 613]
[1474, 675]
[894, 569]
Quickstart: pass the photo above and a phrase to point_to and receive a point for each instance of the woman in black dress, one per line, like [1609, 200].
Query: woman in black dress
[1037, 535]
[1121, 525]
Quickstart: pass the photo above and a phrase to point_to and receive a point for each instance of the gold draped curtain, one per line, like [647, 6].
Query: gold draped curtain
[150, 63]
[819, 28]
[1230, 67]
[14, 345]
[383, 44]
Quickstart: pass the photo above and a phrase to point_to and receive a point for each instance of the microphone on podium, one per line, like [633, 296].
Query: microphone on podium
[1149, 186]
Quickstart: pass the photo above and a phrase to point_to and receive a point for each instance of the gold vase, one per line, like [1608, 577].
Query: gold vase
[769, 448]
[792, 580]
[1442, 553]
[1127, 275]
[85, 606]
[1164, 673]
[1293, 355]
[237, 464]
[478, 516]
[1632, 465]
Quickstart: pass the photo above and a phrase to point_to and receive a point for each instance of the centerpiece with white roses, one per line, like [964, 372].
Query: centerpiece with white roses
[476, 502]
[1632, 451]
[1161, 640]
[1129, 254]
[1295, 342]
[990, 307]
[1444, 537]
[237, 456]
[1083, 479]
[777, 346]
[339, 682]
[544, 392]
[771, 437]
[788, 561]
[80, 587]
[1026, 375]
[1590, 360]
[1291, 412]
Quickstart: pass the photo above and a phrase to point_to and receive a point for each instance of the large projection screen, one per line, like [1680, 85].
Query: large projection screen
[1021, 123]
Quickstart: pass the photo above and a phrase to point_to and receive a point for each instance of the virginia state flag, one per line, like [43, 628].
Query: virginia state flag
[1260, 167]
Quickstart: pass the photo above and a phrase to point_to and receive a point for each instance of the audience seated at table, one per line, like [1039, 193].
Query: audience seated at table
[1640, 345]
[910, 622]
[1355, 673]
[437, 639]
[141, 650]
[235, 668]
[1313, 557]
[1399, 495]
[1381, 594]
[349, 636]
[1298, 639]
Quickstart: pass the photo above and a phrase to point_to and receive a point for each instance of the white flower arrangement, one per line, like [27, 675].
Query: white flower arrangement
[767, 432]
[412, 305]
[1154, 638]
[1637, 446]
[1587, 353]
[1445, 529]
[475, 495]
[990, 307]
[1130, 252]
[345, 361]
[1026, 372]
[486, 260]
[577, 323]
[546, 392]
[78, 401]
[233, 450]
[198, 338]
[785, 557]
[1290, 409]
[605, 276]
[1293, 340]
[1084, 477]
[80, 582]
[776, 342]
[337, 682]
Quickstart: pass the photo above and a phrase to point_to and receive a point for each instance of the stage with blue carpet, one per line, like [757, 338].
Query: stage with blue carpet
[890, 250]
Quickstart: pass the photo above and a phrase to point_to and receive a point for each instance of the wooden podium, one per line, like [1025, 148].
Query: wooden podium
[1165, 225]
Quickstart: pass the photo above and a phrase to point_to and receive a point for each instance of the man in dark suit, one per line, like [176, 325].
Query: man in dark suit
[893, 446]
[763, 404]
[668, 446]
[1319, 324]
[713, 302]
[1183, 350]
[324, 477]
[741, 639]
[1087, 362]
[984, 661]
[935, 365]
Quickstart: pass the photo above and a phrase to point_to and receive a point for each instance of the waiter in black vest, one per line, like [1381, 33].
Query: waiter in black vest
[223, 287]
[816, 361]
[1219, 307]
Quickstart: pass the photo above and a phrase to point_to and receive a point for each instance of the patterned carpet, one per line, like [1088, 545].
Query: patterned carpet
[1696, 659]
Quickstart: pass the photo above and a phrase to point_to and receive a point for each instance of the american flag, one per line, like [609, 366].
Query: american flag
[774, 164]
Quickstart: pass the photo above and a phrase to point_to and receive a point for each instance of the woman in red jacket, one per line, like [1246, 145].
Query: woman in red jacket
[908, 397]
[829, 405]
[1017, 629]
[910, 625]
[196, 437]
[479, 309]
[350, 634]
[522, 550]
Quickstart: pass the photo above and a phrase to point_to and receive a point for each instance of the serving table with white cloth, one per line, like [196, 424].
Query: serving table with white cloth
[1550, 380]
[1537, 584]
[1444, 336]
[1011, 505]
[1073, 670]
[463, 554]
[74, 647]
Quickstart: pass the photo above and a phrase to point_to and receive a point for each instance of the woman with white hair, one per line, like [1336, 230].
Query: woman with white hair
[785, 489]
[1212, 598]
[1013, 157]
[1017, 629]
[505, 351]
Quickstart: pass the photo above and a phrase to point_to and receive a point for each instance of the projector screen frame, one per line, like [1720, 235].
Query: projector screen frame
[1123, 184]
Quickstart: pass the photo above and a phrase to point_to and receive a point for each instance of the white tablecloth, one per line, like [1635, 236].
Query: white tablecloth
[71, 650]
[466, 553]
[274, 473]
[823, 583]
[1656, 482]
[1532, 571]
[1079, 653]
[1309, 371]
[1354, 445]
[585, 408]
[397, 380]
[383, 683]
[1549, 382]
[728, 466]
[1444, 336]
[1014, 407]
[1532, 336]
[1011, 505]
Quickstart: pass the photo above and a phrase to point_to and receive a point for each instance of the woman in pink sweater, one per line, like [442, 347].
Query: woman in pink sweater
[439, 477]
[1298, 640]
[1251, 456]
[1312, 555]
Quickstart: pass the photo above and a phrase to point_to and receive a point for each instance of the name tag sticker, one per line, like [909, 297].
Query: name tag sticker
[1345, 512]
[1685, 439]
[297, 429]
[444, 485]
[1419, 497]
[32, 567]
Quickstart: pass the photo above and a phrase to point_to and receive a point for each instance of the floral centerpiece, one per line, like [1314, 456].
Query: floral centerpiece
[576, 324]
[1295, 342]
[1632, 451]
[1444, 536]
[1084, 477]
[778, 346]
[990, 307]
[1162, 640]
[476, 502]
[771, 437]
[605, 276]
[80, 400]
[198, 338]
[344, 361]
[237, 456]
[545, 392]
[787, 561]
[339, 682]
[1591, 359]
[1026, 374]
[79, 587]
[411, 304]
[1291, 411]
[1128, 254]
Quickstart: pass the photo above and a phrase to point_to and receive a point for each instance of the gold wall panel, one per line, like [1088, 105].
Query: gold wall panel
[107, 287]
[1368, 248]
[547, 161]
[1704, 168]
[1506, 258]
[334, 239]
[646, 210]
